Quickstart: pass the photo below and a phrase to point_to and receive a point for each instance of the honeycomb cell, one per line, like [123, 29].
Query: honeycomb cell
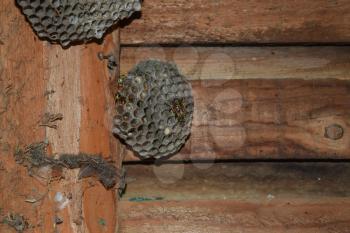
[89, 18]
[164, 118]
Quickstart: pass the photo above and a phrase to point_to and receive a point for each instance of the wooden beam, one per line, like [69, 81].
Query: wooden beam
[82, 94]
[39, 78]
[229, 216]
[98, 106]
[22, 102]
[317, 62]
[233, 21]
[268, 119]
[262, 103]
[240, 181]
[236, 197]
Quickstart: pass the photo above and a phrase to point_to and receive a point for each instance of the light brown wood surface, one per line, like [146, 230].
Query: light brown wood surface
[268, 62]
[234, 217]
[233, 21]
[38, 78]
[81, 84]
[240, 197]
[21, 72]
[260, 102]
[268, 119]
[257, 182]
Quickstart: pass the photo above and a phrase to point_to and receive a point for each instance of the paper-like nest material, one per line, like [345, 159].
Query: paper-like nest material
[67, 21]
[154, 109]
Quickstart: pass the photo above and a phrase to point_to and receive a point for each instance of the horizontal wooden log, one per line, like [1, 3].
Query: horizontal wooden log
[232, 217]
[268, 119]
[237, 197]
[233, 21]
[244, 181]
[247, 62]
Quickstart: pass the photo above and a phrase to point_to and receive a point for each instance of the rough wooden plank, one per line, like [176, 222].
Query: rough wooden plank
[65, 85]
[236, 197]
[39, 78]
[268, 119]
[81, 82]
[96, 135]
[233, 21]
[204, 63]
[21, 72]
[248, 182]
[230, 217]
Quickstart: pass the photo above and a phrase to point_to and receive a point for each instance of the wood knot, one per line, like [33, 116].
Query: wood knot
[334, 132]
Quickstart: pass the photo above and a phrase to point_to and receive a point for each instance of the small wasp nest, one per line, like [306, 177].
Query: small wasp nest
[154, 109]
[66, 21]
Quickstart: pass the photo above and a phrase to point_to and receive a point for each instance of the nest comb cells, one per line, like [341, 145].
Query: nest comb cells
[67, 21]
[154, 107]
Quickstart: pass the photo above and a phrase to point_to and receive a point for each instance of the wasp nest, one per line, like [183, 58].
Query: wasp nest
[66, 21]
[154, 109]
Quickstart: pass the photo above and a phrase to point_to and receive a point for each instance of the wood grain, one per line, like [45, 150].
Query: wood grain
[233, 21]
[38, 78]
[236, 197]
[255, 182]
[267, 119]
[230, 217]
[64, 83]
[21, 72]
[96, 136]
[81, 82]
[203, 63]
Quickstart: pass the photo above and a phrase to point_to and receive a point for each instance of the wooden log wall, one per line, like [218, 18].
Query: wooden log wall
[248, 62]
[234, 21]
[270, 119]
[274, 99]
[262, 103]
[268, 103]
[39, 79]
[237, 197]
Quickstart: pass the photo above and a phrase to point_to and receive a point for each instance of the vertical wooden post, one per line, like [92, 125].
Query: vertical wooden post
[22, 102]
[37, 78]
[84, 98]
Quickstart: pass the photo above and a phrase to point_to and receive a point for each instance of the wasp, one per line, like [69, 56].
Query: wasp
[178, 107]
[120, 99]
[111, 61]
[120, 81]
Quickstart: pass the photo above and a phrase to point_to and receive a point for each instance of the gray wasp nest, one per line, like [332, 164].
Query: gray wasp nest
[67, 21]
[154, 109]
